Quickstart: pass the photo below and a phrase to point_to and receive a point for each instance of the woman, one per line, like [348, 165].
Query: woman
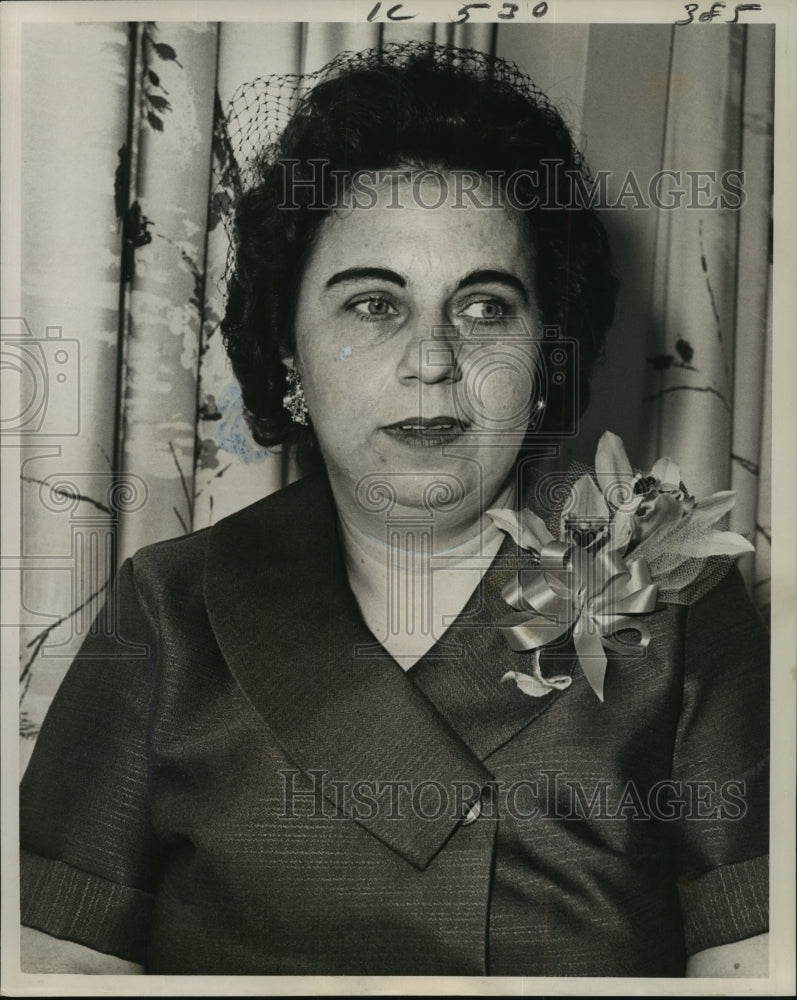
[295, 754]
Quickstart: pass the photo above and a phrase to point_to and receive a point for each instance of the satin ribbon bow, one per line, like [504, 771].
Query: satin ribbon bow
[596, 594]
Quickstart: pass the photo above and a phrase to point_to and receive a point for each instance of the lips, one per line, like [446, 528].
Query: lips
[430, 424]
[426, 431]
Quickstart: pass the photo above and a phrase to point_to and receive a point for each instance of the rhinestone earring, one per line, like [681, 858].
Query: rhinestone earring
[293, 400]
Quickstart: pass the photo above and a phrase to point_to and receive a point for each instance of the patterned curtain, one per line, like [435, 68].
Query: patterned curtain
[123, 252]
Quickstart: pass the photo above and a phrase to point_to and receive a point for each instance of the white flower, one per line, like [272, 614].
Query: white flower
[665, 516]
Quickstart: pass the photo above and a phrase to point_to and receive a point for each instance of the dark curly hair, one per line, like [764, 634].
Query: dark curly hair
[424, 106]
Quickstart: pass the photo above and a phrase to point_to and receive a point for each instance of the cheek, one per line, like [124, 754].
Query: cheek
[339, 386]
[499, 387]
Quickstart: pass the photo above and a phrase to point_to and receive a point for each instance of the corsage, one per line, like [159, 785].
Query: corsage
[627, 540]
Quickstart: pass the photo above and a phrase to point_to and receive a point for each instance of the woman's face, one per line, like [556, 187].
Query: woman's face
[415, 339]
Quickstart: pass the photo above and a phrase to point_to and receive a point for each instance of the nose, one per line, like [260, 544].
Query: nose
[430, 352]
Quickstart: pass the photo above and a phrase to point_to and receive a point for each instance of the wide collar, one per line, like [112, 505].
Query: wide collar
[292, 634]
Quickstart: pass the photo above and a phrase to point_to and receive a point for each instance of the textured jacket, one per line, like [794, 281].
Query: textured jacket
[239, 780]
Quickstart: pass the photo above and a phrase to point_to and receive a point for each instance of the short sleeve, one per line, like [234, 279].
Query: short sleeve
[721, 767]
[87, 856]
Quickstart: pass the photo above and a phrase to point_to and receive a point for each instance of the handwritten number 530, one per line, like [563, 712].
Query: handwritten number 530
[506, 13]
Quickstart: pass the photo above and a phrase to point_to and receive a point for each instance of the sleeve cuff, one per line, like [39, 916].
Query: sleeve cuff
[727, 904]
[66, 902]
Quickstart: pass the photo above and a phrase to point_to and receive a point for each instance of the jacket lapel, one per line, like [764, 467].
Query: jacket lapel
[462, 675]
[287, 624]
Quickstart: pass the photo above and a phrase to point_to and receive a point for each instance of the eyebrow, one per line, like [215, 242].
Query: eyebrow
[366, 273]
[487, 276]
[478, 277]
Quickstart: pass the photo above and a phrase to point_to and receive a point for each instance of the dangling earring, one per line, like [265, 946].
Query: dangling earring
[293, 400]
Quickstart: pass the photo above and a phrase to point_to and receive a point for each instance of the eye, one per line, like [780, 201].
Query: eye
[373, 308]
[488, 310]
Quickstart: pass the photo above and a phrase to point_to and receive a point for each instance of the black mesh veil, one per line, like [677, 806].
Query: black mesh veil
[249, 134]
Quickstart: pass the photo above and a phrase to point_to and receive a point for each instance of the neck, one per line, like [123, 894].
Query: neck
[412, 572]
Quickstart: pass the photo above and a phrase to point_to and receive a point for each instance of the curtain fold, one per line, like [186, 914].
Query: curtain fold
[163, 308]
[630, 146]
[707, 375]
[129, 175]
[689, 393]
[751, 390]
[75, 98]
